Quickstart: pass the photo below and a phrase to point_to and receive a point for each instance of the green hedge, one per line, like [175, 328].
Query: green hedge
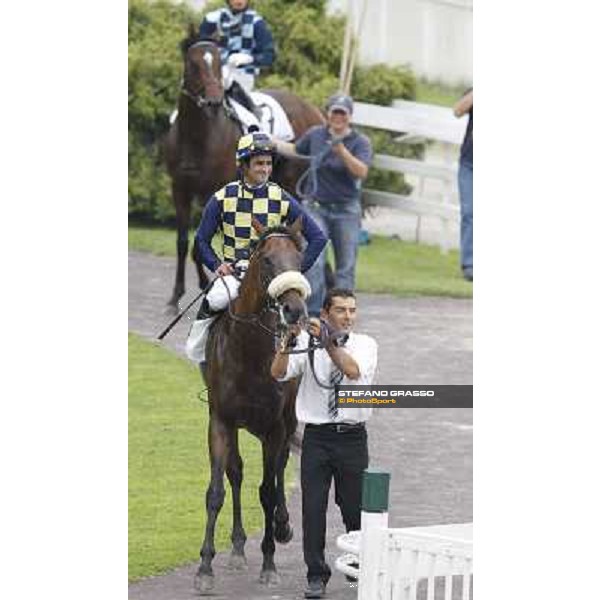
[309, 49]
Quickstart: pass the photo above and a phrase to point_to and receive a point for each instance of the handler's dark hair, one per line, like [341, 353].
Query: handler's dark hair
[336, 293]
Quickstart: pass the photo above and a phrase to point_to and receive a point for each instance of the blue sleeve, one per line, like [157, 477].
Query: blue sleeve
[302, 145]
[264, 51]
[207, 30]
[312, 233]
[211, 222]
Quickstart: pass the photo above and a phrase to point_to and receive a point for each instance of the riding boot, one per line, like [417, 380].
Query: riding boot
[239, 94]
[205, 311]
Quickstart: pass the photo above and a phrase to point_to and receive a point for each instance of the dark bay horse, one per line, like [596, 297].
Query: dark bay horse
[242, 394]
[200, 146]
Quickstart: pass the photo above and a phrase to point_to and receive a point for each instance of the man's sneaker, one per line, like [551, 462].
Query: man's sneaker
[315, 588]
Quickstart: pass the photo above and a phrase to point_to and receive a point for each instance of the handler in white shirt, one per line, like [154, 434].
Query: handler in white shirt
[335, 439]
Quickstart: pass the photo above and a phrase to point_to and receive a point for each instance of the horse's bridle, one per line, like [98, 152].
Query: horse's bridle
[272, 305]
[199, 100]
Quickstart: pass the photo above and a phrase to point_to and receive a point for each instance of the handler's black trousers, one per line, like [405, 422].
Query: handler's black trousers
[328, 453]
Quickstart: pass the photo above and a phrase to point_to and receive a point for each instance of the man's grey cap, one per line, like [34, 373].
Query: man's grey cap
[340, 102]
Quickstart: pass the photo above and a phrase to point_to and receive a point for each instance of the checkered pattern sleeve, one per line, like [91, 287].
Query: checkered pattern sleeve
[313, 234]
[211, 222]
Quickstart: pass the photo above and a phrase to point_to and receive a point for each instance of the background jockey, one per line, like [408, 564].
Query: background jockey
[246, 45]
[231, 210]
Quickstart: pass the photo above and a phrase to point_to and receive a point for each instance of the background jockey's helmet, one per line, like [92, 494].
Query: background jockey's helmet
[253, 144]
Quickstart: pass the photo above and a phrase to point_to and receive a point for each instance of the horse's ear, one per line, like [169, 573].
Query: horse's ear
[258, 226]
[296, 227]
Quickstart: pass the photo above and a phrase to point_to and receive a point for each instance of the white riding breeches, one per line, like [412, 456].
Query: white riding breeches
[222, 291]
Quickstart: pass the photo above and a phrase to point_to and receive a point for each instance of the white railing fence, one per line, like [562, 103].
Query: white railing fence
[395, 563]
[416, 121]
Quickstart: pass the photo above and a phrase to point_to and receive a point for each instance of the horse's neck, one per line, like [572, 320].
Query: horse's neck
[250, 301]
[195, 122]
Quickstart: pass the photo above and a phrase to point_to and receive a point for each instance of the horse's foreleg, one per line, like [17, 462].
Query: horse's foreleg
[183, 202]
[219, 438]
[272, 446]
[283, 531]
[235, 473]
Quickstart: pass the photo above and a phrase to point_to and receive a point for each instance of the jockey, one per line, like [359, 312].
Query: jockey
[231, 210]
[246, 45]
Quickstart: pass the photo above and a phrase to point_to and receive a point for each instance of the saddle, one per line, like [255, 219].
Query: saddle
[260, 110]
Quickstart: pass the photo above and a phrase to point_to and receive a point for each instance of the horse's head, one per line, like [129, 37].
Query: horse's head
[202, 71]
[275, 270]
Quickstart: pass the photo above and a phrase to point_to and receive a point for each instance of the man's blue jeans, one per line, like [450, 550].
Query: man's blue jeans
[341, 224]
[465, 186]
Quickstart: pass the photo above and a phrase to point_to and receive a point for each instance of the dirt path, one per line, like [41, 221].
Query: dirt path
[427, 451]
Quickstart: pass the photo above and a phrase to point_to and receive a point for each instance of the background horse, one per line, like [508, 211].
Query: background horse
[201, 143]
[242, 393]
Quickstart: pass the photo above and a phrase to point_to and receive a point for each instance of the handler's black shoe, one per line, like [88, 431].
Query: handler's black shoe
[315, 588]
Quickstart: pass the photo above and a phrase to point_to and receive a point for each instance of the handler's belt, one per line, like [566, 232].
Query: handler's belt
[336, 427]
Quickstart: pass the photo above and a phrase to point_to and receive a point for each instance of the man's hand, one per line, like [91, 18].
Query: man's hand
[292, 332]
[314, 327]
[224, 269]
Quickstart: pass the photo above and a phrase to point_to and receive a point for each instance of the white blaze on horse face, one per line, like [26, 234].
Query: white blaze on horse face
[208, 59]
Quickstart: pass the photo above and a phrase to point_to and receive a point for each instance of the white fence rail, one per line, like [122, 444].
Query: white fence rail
[424, 122]
[395, 563]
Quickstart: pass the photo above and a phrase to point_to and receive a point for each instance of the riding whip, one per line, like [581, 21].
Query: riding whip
[180, 315]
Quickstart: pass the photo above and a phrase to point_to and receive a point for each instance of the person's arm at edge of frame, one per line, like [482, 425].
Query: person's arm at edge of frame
[464, 105]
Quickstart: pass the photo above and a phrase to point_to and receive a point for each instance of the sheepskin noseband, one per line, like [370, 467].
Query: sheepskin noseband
[290, 280]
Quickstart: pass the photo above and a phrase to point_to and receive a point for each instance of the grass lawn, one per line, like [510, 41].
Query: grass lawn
[169, 466]
[385, 265]
[436, 93]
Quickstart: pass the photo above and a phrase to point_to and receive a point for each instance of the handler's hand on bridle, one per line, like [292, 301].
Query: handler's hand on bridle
[314, 327]
[224, 269]
[286, 339]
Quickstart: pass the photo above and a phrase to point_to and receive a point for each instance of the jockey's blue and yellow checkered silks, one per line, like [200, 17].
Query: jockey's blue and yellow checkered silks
[238, 205]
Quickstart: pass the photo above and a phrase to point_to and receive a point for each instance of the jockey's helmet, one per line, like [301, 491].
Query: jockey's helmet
[253, 144]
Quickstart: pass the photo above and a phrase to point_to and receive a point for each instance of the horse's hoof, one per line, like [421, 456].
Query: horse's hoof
[204, 582]
[269, 578]
[238, 562]
[283, 535]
